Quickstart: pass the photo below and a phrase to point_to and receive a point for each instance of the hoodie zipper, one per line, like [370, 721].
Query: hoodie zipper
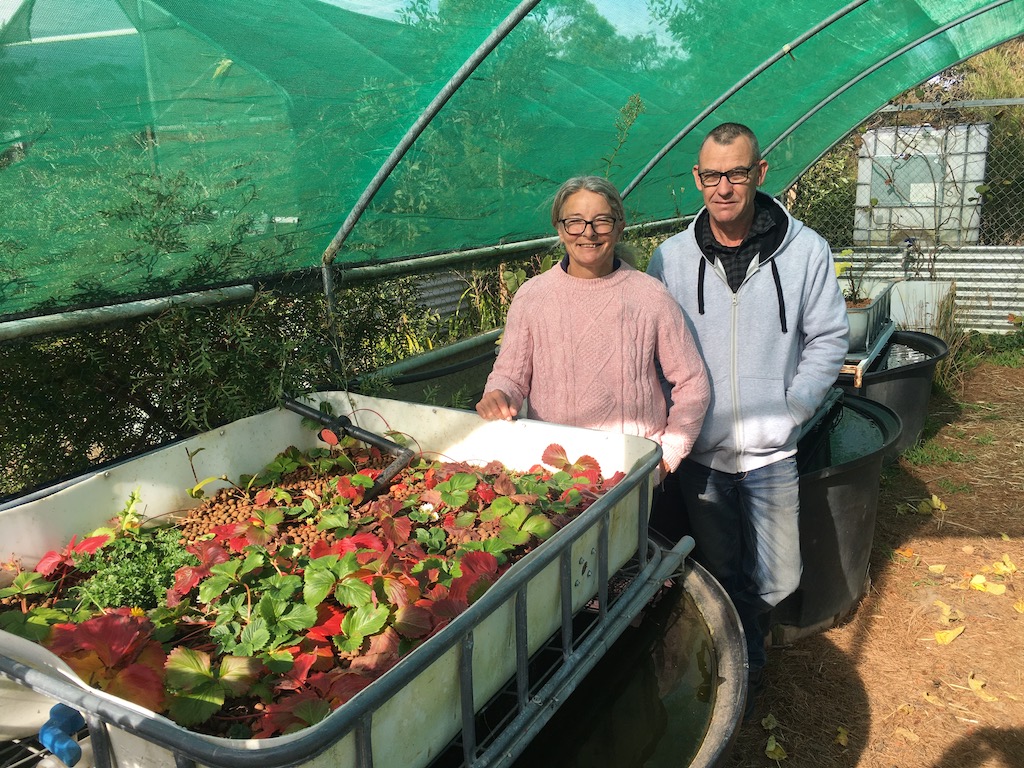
[737, 422]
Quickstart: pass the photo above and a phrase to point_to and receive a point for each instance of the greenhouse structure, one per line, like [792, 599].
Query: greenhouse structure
[165, 155]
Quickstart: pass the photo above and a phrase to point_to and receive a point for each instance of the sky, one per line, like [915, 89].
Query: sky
[628, 17]
[7, 9]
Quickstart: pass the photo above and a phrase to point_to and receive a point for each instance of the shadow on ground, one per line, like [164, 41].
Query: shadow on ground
[984, 747]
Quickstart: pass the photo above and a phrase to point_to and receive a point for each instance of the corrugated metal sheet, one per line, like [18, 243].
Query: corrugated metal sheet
[442, 292]
[989, 280]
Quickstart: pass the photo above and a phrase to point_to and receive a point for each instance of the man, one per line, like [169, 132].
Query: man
[760, 294]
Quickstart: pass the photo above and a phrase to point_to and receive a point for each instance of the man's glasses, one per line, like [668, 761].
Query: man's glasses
[602, 225]
[735, 176]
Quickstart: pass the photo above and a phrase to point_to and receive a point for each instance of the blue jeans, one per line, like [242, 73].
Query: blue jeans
[746, 529]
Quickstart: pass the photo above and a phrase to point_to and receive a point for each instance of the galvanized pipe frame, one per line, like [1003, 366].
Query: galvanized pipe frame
[463, 73]
[535, 713]
[81, 318]
[878, 65]
[455, 82]
[786, 50]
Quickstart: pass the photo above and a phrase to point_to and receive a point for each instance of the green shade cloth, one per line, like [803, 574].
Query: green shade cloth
[155, 147]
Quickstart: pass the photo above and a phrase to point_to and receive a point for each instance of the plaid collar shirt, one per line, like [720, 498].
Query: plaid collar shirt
[736, 259]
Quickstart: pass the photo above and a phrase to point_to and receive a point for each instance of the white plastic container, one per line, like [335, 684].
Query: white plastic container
[405, 721]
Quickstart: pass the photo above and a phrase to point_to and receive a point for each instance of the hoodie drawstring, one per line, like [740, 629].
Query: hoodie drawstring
[700, 285]
[701, 270]
[782, 300]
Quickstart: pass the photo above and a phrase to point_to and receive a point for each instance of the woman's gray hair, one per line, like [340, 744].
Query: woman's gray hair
[609, 192]
[596, 184]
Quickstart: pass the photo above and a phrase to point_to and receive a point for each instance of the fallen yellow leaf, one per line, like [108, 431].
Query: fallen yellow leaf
[978, 582]
[978, 686]
[932, 699]
[924, 508]
[995, 589]
[1004, 567]
[1004, 536]
[842, 736]
[936, 568]
[937, 503]
[773, 750]
[949, 615]
[768, 722]
[1019, 606]
[907, 734]
[947, 636]
[904, 552]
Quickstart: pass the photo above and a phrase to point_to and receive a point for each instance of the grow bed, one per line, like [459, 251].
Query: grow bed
[412, 712]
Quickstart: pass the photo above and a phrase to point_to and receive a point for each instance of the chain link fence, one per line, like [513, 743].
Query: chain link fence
[928, 193]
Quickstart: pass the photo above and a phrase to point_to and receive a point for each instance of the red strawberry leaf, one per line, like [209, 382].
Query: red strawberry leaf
[396, 529]
[139, 684]
[413, 621]
[586, 465]
[554, 456]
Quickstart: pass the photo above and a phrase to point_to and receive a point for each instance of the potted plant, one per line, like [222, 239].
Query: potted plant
[867, 305]
[919, 299]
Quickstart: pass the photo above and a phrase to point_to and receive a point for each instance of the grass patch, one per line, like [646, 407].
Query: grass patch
[985, 440]
[930, 453]
[1011, 358]
[948, 487]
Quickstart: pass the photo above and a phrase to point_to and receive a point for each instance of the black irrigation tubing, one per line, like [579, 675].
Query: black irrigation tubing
[343, 424]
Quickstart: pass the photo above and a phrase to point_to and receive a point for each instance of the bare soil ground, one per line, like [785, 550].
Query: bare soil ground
[882, 691]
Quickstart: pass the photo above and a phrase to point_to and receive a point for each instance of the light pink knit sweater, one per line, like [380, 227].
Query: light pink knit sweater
[584, 352]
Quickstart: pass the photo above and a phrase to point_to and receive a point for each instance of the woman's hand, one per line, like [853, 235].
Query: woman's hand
[495, 405]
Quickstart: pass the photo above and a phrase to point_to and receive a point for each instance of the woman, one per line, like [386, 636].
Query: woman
[585, 340]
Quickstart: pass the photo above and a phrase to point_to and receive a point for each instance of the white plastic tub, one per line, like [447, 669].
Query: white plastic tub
[867, 322]
[405, 719]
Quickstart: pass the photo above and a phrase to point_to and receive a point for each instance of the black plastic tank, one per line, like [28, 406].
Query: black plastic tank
[840, 458]
[901, 379]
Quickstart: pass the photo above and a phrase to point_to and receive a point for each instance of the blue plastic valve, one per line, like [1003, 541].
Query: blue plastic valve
[58, 734]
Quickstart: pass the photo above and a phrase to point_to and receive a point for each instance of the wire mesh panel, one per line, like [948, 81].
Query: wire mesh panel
[928, 193]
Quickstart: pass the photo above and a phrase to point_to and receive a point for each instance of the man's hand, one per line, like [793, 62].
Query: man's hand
[495, 405]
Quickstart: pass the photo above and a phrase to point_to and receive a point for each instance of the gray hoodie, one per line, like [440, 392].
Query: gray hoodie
[773, 349]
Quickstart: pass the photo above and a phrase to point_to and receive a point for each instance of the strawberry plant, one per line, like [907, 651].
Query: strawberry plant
[277, 599]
